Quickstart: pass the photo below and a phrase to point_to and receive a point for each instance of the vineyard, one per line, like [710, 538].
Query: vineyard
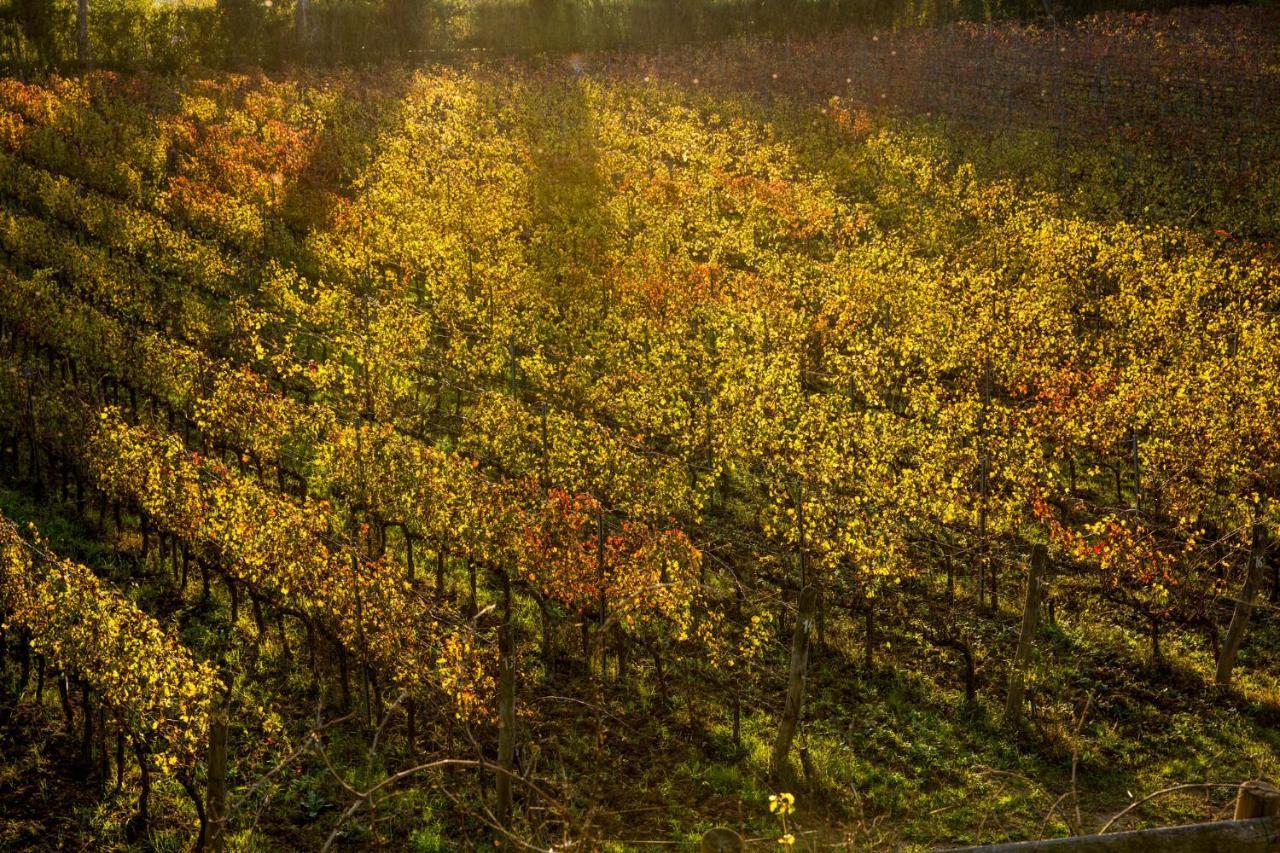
[572, 453]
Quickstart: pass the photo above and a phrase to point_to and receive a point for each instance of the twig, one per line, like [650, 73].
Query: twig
[364, 796]
[1054, 808]
[1161, 792]
[313, 736]
[1075, 762]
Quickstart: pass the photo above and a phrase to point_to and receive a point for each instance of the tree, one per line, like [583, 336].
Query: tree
[36, 20]
[302, 24]
[82, 32]
[241, 23]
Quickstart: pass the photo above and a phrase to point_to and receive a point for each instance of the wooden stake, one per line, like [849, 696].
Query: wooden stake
[1257, 799]
[795, 684]
[1244, 607]
[720, 840]
[1030, 618]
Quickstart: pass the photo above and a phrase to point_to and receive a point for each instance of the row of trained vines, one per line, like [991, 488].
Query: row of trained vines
[485, 396]
[132, 679]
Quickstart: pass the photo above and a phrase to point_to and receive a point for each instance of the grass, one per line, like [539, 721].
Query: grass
[896, 759]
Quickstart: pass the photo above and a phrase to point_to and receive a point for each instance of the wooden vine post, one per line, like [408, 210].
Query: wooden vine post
[1257, 799]
[1030, 620]
[720, 840]
[1244, 606]
[800, 641]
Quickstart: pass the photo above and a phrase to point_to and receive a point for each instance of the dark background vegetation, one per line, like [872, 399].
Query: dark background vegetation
[173, 35]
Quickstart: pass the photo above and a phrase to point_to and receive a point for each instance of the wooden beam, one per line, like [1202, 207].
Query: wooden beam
[1257, 835]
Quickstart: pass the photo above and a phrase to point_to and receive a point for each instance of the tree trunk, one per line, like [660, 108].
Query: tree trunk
[660, 672]
[408, 553]
[545, 619]
[506, 720]
[795, 684]
[966, 655]
[104, 755]
[1153, 621]
[285, 649]
[1244, 607]
[869, 640]
[1275, 581]
[951, 579]
[302, 26]
[473, 606]
[86, 727]
[344, 676]
[82, 31]
[216, 796]
[255, 605]
[411, 725]
[1030, 616]
[189, 785]
[64, 694]
[143, 818]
